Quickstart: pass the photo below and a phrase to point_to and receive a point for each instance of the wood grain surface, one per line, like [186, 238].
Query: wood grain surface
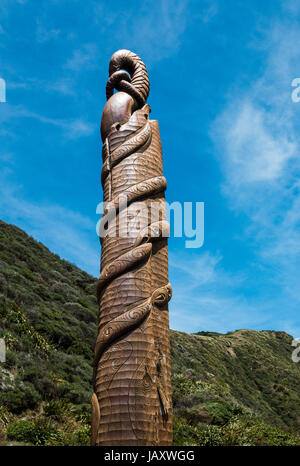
[132, 404]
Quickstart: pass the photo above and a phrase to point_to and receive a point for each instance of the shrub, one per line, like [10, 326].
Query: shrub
[11, 359]
[57, 409]
[22, 431]
[184, 434]
[222, 412]
[35, 433]
[20, 398]
[83, 436]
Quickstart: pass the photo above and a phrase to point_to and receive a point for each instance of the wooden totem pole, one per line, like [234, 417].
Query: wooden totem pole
[132, 403]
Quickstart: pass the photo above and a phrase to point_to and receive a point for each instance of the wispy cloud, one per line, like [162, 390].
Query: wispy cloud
[200, 269]
[256, 138]
[209, 13]
[72, 128]
[43, 34]
[82, 58]
[65, 232]
[256, 149]
[207, 297]
[63, 86]
[155, 27]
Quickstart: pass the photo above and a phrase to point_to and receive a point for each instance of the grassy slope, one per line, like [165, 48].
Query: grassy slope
[239, 384]
[239, 388]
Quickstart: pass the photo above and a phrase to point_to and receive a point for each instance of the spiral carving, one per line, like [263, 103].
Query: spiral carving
[131, 404]
[137, 86]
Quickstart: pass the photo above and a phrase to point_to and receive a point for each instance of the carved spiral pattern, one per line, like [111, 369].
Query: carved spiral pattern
[137, 86]
[132, 291]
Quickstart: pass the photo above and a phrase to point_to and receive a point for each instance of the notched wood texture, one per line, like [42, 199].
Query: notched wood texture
[132, 403]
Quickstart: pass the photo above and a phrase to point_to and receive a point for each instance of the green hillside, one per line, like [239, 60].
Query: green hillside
[236, 389]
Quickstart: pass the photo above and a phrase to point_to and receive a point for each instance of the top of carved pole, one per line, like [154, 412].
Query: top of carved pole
[128, 75]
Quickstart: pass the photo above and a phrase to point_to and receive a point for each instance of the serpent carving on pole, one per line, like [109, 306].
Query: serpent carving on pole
[132, 401]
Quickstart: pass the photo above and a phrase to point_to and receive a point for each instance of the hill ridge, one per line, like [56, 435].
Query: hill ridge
[237, 388]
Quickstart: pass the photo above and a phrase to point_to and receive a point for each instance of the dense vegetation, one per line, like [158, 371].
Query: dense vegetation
[236, 389]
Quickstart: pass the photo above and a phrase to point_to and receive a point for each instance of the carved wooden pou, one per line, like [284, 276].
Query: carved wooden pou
[132, 403]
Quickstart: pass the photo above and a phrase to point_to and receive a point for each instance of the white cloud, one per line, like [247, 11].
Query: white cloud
[257, 141]
[72, 128]
[64, 86]
[77, 127]
[155, 28]
[62, 230]
[84, 57]
[200, 268]
[259, 127]
[255, 150]
[43, 34]
[206, 297]
[210, 13]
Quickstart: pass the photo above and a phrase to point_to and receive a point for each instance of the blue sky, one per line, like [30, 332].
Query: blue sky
[220, 76]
